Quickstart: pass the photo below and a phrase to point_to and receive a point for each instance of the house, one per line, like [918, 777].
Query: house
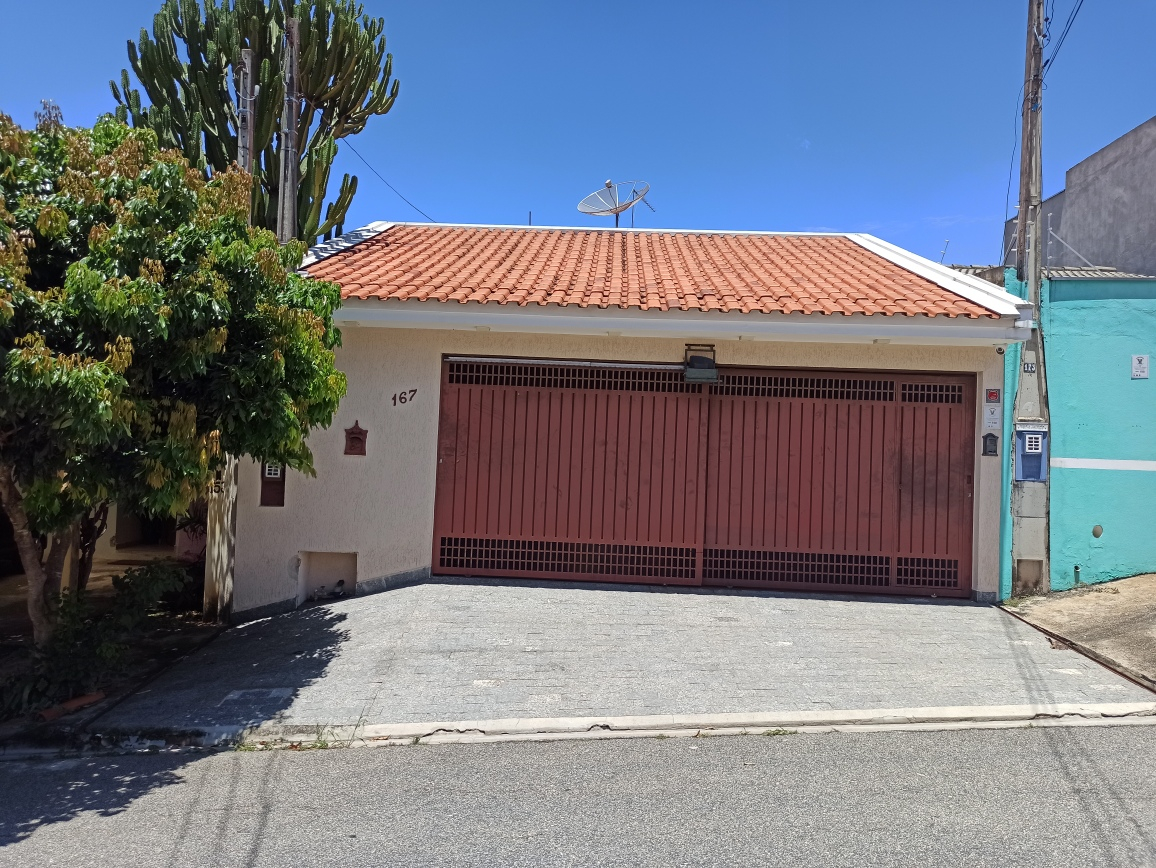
[1106, 213]
[742, 409]
[1099, 330]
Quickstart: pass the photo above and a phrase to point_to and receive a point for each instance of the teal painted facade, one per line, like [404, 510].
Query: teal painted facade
[1092, 328]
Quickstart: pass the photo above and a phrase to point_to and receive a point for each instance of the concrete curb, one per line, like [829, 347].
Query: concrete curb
[674, 725]
[282, 736]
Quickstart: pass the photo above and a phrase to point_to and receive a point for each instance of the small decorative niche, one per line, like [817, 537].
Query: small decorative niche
[355, 439]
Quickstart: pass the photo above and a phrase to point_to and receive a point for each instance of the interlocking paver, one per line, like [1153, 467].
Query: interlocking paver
[460, 651]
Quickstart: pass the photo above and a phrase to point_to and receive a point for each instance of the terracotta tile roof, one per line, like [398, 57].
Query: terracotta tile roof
[648, 270]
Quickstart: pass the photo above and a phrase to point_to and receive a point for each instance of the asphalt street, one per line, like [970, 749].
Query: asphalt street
[1046, 797]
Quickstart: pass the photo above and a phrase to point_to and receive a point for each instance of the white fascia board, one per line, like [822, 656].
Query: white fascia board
[554, 319]
[343, 242]
[965, 285]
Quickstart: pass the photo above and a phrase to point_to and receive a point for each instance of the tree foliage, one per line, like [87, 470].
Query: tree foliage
[189, 69]
[145, 331]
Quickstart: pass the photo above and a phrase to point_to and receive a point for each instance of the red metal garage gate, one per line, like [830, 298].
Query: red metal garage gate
[844, 481]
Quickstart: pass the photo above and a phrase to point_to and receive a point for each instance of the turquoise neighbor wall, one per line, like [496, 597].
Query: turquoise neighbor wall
[1103, 425]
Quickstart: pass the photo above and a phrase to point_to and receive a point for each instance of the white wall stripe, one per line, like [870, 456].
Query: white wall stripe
[1104, 464]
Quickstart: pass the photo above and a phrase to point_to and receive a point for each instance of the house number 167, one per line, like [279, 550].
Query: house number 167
[404, 397]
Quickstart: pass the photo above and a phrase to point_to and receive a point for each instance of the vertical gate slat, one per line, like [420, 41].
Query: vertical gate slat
[792, 462]
[655, 459]
[461, 458]
[888, 477]
[484, 479]
[586, 529]
[636, 498]
[758, 475]
[826, 535]
[698, 446]
[949, 491]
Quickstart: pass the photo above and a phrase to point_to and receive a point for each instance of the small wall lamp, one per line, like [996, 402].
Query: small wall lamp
[699, 364]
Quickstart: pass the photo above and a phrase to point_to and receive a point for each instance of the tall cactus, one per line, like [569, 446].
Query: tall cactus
[343, 77]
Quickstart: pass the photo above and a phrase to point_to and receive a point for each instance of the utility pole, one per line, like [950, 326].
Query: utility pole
[287, 188]
[221, 513]
[1030, 497]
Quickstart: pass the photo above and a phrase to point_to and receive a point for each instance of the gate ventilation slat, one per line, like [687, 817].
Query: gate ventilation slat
[819, 388]
[564, 377]
[814, 568]
[927, 572]
[535, 556]
[932, 393]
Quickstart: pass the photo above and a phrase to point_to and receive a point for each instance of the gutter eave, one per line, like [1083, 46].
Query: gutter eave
[555, 319]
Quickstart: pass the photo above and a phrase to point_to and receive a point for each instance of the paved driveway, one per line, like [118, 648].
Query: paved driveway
[485, 650]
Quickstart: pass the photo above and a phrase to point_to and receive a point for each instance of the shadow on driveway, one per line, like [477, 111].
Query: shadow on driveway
[249, 674]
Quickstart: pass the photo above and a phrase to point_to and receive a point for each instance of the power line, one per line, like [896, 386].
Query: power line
[1011, 170]
[382, 179]
[1063, 35]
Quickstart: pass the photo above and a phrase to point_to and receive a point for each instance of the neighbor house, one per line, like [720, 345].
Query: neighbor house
[1106, 213]
[741, 409]
[1099, 329]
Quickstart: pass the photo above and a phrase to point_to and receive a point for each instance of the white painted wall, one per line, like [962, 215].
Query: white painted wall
[381, 505]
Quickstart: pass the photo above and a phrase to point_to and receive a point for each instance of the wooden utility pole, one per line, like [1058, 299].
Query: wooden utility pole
[1030, 499]
[287, 188]
[221, 513]
[1027, 226]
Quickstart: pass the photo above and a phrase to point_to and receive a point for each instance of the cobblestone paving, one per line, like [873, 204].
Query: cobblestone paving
[495, 650]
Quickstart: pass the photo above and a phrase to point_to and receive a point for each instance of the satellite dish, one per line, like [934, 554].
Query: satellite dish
[615, 199]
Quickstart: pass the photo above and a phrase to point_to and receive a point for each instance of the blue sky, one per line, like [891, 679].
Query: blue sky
[894, 118]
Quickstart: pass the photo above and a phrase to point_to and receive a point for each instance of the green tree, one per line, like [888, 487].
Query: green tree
[145, 331]
[189, 70]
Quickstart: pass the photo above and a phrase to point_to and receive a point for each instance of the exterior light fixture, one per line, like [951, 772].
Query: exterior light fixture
[700, 364]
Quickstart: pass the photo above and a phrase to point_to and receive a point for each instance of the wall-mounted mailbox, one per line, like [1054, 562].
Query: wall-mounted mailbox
[990, 444]
[1031, 455]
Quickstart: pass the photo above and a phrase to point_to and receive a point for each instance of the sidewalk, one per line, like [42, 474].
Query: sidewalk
[496, 651]
[1114, 622]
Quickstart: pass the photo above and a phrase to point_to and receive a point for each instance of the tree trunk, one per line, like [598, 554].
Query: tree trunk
[92, 525]
[58, 547]
[30, 556]
[221, 544]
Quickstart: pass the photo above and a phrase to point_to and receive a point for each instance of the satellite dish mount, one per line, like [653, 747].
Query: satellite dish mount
[615, 199]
